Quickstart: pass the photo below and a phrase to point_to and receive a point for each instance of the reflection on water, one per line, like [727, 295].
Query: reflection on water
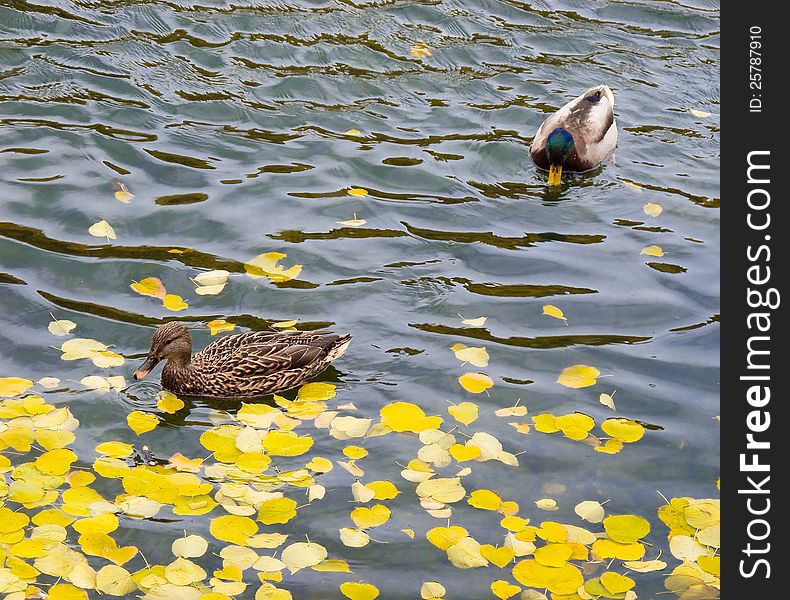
[240, 129]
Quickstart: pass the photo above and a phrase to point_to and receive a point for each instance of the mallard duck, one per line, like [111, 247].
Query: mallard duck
[577, 137]
[256, 363]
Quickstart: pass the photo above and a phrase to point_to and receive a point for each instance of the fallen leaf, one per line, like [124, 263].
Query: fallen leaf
[102, 229]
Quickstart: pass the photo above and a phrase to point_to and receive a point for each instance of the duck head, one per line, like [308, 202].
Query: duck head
[171, 341]
[559, 146]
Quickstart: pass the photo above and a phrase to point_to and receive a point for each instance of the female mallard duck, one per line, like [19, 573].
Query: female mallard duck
[256, 363]
[577, 137]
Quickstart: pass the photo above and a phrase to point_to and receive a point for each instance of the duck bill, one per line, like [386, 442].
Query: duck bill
[555, 174]
[146, 367]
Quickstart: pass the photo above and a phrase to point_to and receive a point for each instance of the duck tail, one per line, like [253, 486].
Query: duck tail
[339, 346]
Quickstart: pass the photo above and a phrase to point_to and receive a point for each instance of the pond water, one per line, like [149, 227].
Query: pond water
[232, 124]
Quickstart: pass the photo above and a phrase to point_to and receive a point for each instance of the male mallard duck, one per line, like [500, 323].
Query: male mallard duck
[578, 136]
[256, 363]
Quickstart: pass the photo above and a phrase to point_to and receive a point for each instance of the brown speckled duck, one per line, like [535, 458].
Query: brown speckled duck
[244, 365]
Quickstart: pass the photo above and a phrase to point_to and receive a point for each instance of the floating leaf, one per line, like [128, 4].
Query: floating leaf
[590, 511]
[547, 504]
[699, 113]
[365, 518]
[357, 192]
[141, 422]
[174, 302]
[354, 538]
[477, 356]
[626, 529]
[191, 546]
[478, 322]
[465, 412]
[150, 286]
[501, 557]
[359, 591]
[553, 311]
[61, 327]
[504, 589]
[578, 376]
[475, 383]
[303, 554]
[625, 430]
[652, 251]
[607, 400]
[432, 589]
[512, 411]
[265, 265]
[651, 209]
[13, 386]
[102, 229]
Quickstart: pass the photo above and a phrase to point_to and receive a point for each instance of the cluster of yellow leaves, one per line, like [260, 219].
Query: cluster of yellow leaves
[152, 286]
[265, 265]
[695, 539]
[577, 426]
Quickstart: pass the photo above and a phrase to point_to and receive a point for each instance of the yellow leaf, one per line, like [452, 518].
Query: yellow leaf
[478, 356]
[500, 557]
[174, 302]
[277, 510]
[102, 229]
[512, 522]
[168, 402]
[150, 286]
[465, 554]
[512, 411]
[442, 490]
[265, 265]
[141, 422]
[420, 50]
[354, 538]
[56, 462]
[464, 453]
[359, 591]
[559, 580]
[357, 192]
[626, 529]
[302, 554]
[409, 532]
[645, 566]
[607, 400]
[124, 196]
[652, 210]
[612, 446]
[13, 386]
[352, 222]
[405, 416]
[485, 499]
[114, 581]
[209, 290]
[432, 589]
[212, 278]
[233, 529]
[590, 511]
[319, 464]
[444, 537]
[652, 250]
[218, 325]
[553, 311]
[383, 490]
[475, 382]
[503, 589]
[616, 583]
[578, 376]
[284, 324]
[465, 412]
[353, 132]
[546, 504]
[355, 452]
[286, 443]
[333, 565]
[624, 430]
[66, 591]
[61, 327]
[316, 392]
[365, 518]
[191, 546]
[699, 113]
[184, 572]
[553, 555]
[179, 462]
[478, 322]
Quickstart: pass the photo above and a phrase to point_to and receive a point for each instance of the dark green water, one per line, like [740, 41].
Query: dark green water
[227, 122]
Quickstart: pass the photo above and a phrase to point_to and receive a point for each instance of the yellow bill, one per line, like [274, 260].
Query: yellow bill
[555, 173]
